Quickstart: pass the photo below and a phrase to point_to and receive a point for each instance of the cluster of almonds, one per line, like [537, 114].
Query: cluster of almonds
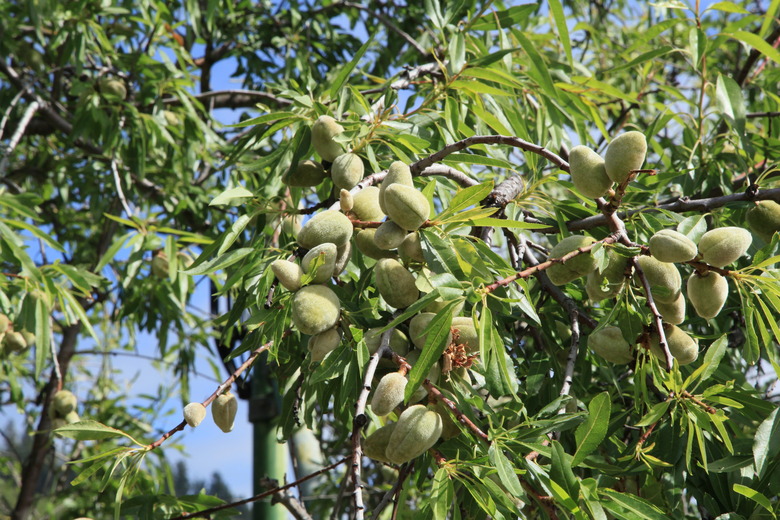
[223, 411]
[63, 409]
[12, 340]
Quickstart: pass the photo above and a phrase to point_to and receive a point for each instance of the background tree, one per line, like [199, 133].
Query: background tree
[123, 193]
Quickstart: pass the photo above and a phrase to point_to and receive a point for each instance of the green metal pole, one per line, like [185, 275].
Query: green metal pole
[270, 457]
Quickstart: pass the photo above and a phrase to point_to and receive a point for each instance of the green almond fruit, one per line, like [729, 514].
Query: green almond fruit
[305, 174]
[626, 152]
[588, 172]
[721, 246]
[411, 248]
[418, 329]
[610, 344]
[4, 322]
[467, 333]
[328, 253]
[366, 244]
[347, 171]
[288, 273]
[375, 445]
[389, 235]
[14, 341]
[346, 201]
[670, 246]
[580, 265]
[449, 426]
[72, 417]
[398, 173]
[114, 89]
[194, 413]
[389, 393]
[223, 411]
[329, 226]
[663, 277]
[322, 344]
[29, 337]
[64, 402]
[343, 256]
[366, 205]
[406, 206]
[683, 348]
[399, 343]
[708, 293]
[160, 265]
[323, 131]
[416, 431]
[315, 309]
[395, 283]
[764, 219]
[674, 312]
[609, 282]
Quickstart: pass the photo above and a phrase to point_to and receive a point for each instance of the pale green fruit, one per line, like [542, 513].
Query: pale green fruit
[610, 344]
[416, 431]
[406, 206]
[389, 235]
[399, 343]
[411, 248]
[663, 277]
[580, 265]
[389, 393]
[315, 309]
[291, 225]
[323, 131]
[64, 402]
[609, 282]
[14, 341]
[418, 329]
[398, 173]
[171, 118]
[223, 411]
[708, 293]
[626, 152]
[721, 246]
[674, 312]
[72, 417]
[305, 174]
[683, 348]
[343, 255]
[395, 283]
[322, 344]
[288, 273]
[366, 244]
[346, 201]
[366, 205]
[467, 333]
[4, 322]
[449, 426]
[113, 89]
[588, 172]
[347, 171]
[329, 226]
[194, 413]
[160, 265]
[328, 252]
[375, 445]
[764, 219]
[670, 246]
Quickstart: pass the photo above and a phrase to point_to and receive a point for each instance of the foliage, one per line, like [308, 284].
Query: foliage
[122, 193]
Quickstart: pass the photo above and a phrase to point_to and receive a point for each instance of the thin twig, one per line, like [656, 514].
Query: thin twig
[392, 494]
[657, 318]
[260, 496]
[288, 500]
[17, 135]
[120, 193]
[220, 389]
[9, 110]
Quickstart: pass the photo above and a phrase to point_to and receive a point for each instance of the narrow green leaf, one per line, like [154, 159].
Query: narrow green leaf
[711, 361]
[93, 431]
[638, 508]
[42, 336]
[505, 470]
[220, 262]
[766, 443]
[347, 69]
[755, 496]
[758, 43]
[561, 472]
[542, 74]
[590, 433]
[656, 412]
[232, 197]
[563, 29]
[435, 342]
[235, 231]
[267, 118]
[442, 494]
[466, 198]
